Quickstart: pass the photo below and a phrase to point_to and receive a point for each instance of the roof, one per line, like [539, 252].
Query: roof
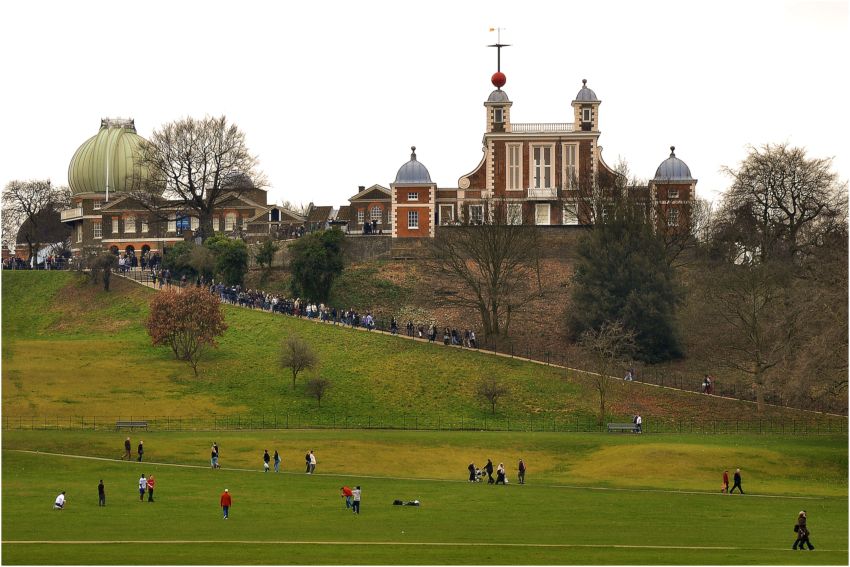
[413, 171]
[319, 214]
[498, 96]
[112, 153]
[673, 169]
[586, 94]
[344, 213]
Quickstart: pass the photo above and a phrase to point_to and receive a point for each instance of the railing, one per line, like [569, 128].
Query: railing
[71, 214]
[530, 423]
[543, 193]
[542, 127]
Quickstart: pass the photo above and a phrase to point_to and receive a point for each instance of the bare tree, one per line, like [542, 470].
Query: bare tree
[755, 316]
[31, 208]
[297, 355]
[317, 387]
[610, 346]
[495, 260]
[491, 390]
[193, 166]
[781, 203]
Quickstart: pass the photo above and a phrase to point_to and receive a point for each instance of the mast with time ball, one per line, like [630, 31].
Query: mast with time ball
[498, 79]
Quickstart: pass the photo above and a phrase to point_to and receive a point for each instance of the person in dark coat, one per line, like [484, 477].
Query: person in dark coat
[802, 532]
[141, 450]
[489, 468]
[471, 468]
[101, 494]
[737, 482]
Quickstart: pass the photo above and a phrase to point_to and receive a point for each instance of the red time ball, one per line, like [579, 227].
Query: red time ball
[498, 79]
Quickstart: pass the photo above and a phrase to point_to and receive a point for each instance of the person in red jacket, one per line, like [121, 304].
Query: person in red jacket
[151, 484]
[725, 486]
[225, 502]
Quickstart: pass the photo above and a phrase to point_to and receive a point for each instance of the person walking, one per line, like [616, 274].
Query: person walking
[214, 457]
[307, 460]
[724, 487]
[355, 494]
[312, 462]
[101, 494]
[489, 468]
[141, 449]
[471, 469]
[345, 492]
[266, 459]
[737, 482]
[143, 486]
[521, 472]
[226, 501]
[802, 532]
[151, 484]
[638, 424]
[127, 449]
[276, 461]
[500, 474]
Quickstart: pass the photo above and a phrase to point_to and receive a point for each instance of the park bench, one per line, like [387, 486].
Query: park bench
[131, 424]
[622, 427]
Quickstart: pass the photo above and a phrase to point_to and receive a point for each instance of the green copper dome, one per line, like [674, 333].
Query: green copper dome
[114, 153]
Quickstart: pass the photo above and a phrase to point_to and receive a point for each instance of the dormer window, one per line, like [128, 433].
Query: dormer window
[586, 115]
[498, 115]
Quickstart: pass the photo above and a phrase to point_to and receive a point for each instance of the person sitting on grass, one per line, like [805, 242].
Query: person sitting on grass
[59, 504]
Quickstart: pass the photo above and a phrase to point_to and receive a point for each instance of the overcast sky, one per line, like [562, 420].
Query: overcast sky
[331, 95]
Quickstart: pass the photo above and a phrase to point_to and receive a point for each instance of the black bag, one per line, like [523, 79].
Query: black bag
[398, 503]
[796, 528]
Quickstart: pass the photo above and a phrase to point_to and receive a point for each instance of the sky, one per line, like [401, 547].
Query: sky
[331, 95]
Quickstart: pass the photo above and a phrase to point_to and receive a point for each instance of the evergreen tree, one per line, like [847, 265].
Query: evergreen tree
[231, 258]
[316, 261]
[622, 275]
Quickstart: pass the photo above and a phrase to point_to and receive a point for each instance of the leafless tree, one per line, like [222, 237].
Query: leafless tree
[33, 207]
[297, 355]
[491, 390]
[495, 261]
[317, 387]
[193, 166]
[781, 203]
[756, 318]
[609, 346]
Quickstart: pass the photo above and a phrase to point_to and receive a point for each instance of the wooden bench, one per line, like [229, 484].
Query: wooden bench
[622, 427]
[131, 424]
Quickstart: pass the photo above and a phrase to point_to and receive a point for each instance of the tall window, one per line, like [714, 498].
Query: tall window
[80, 232]
[476, 214]
[216, 224]
[412, 219]
[542, 160]
[570, 213]
[514, 213]
[144, 226]
[114, 226]
[181, 224]
[514, 167]
[195, 222]
[361, 216]
[541, 214]
[97, 229]
[673, 217]
[586, 115]
[229, 222]
[498, 115]
[130, 224]
[570, 166]
[376, 214]
[446, 214]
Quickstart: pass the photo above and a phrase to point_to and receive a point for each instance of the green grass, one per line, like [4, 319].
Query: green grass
[78, 351]
[676, 517]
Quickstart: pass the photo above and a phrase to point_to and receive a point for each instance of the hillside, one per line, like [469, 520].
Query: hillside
[75, 350]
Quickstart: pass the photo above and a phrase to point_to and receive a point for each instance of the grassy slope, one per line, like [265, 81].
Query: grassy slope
[71, 332]
[293, 507]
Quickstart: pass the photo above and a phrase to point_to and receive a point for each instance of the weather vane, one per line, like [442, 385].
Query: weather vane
[498, 78]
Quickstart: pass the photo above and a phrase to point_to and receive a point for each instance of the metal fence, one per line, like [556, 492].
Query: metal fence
[531, 423]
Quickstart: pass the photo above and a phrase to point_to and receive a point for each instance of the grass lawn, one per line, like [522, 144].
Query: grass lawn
[656, 501]
[78, 351]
